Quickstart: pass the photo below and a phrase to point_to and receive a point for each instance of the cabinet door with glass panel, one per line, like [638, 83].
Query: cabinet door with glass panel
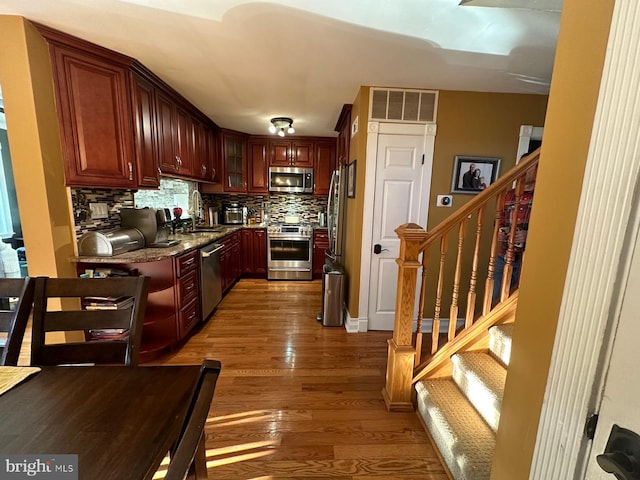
[234, 161]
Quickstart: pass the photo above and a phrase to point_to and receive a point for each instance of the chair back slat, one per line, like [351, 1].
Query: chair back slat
[125, 325]
[70, 320]
[92, 352]
[14, 322]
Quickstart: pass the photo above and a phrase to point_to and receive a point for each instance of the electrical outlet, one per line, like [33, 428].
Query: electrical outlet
[444, 201]
[98, 210]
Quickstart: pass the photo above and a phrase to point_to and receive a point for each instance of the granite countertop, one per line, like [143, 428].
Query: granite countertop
[188, 242]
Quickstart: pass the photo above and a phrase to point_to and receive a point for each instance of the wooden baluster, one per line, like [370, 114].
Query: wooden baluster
[471, 297]
[453, 310]
[435, 328]
[397, 392]
[505, 289]
[423, 287]
[488, 289]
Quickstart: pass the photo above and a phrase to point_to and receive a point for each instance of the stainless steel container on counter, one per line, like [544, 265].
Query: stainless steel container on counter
[110, 242]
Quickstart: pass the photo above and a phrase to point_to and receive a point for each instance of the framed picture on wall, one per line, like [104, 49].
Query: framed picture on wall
[351, 180]
[473, 174]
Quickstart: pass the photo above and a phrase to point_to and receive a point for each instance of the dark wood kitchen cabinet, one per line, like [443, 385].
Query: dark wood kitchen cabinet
[92, 90]
[121, 125]
[323, 166]
[291, 153]
[258, 165]
[343, 127]
[253, 252]
[234, 161]
[187, 300]
[230, 260]
[320, 245]
[144, 103]
[175, 136]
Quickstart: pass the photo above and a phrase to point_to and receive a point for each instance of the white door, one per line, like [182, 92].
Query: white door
[622, 385]
[402, 184]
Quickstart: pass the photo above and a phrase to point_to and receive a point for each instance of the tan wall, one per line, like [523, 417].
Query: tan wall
[572, 102]
[469, 123]
[34, 142]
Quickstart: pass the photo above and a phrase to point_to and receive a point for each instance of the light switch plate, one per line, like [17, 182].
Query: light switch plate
[444, 201]
[98, 210]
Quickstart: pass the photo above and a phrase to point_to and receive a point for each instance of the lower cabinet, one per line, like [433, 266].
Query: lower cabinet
[320, 244]
[230, 260]
[187, 280]
[253, 245]
[172, 304]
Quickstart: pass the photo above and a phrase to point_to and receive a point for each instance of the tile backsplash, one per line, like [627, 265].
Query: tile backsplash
[176, 192]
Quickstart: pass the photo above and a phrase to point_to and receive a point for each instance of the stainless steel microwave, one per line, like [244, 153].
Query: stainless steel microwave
[291, 179]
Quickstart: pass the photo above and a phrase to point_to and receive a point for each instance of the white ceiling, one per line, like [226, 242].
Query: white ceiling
[242, 62]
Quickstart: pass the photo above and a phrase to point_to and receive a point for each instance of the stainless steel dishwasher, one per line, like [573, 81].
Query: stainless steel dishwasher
[210, 278]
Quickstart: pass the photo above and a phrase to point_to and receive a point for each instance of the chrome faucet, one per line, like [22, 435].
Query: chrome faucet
[198, 210]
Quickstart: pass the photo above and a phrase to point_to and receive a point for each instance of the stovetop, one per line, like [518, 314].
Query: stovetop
[301, 229]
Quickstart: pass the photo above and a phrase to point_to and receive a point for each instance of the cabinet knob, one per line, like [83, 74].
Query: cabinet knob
[203, 169]
[130, 171]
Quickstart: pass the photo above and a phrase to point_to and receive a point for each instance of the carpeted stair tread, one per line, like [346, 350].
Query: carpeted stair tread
[463, 438]
[500, 342]
[481, 378]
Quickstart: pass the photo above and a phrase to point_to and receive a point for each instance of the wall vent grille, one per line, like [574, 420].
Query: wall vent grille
[400, 105]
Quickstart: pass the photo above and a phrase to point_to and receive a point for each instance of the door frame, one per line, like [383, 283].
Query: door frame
[361, 323]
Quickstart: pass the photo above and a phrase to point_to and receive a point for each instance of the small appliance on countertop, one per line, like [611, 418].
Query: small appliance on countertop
[233, 214]
[110, 242]
[155, 225]
[164, 229]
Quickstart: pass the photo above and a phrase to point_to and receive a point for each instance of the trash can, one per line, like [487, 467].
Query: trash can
[332, 295]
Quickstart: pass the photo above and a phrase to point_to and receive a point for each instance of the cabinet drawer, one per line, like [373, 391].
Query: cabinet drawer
[186, 263]
[188, 317]
[187, 288]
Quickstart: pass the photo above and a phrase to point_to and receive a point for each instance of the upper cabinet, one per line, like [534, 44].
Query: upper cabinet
[144, 104]
[291, 153]
[343, 127]
[234, 161]
[323, 166]
[175, 136]
[95, 114]
[121, 125]
[258, 165]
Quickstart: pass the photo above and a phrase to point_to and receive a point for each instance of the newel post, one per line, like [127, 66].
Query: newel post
[397, 392]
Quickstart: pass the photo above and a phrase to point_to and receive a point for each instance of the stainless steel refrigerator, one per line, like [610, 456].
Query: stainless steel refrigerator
[336, 213]
[333, 283]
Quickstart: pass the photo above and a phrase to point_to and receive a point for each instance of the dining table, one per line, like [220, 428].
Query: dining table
[120, 421]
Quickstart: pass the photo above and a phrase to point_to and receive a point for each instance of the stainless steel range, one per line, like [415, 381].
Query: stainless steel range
[289, 252]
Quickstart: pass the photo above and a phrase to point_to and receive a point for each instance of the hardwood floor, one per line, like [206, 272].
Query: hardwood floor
[296, 400]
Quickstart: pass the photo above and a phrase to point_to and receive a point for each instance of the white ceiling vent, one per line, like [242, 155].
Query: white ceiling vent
[397, 105]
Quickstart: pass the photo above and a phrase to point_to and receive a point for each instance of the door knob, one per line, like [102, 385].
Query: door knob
[621, 456]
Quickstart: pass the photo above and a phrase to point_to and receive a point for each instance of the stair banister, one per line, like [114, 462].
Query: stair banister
[404, 353]
[397, 392]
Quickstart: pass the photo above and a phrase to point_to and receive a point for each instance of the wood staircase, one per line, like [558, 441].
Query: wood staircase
[457, 390]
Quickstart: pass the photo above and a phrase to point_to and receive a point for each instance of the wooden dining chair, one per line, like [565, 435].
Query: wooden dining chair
[188, 460]
[13, 321]
[112, 336]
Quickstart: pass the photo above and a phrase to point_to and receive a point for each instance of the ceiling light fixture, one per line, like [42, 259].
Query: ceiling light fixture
[281, 124]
